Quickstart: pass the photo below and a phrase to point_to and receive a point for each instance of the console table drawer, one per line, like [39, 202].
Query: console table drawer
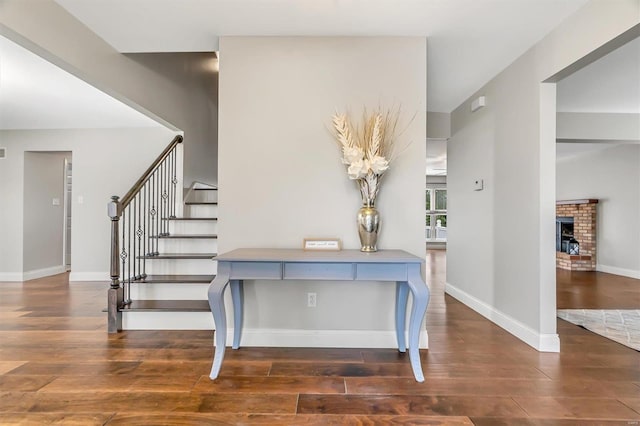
[381, 272]
[256, 270]
[318, 271]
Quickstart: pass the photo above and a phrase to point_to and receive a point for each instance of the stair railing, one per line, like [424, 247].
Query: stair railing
[138, 220]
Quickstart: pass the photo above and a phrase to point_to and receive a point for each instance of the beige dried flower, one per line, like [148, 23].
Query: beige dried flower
[369, 149]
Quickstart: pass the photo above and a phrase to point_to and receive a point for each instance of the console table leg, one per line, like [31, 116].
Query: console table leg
[237, 295]
[216, 303]
[420, 293]
[402, 295]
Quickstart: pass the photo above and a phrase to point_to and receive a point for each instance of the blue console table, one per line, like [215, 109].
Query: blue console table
[283, 264]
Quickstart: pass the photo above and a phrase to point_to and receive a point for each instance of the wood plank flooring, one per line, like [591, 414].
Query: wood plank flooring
[596, 290]
[59, 366]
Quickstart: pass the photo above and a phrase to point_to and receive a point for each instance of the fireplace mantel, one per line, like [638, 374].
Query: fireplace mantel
[583, 201]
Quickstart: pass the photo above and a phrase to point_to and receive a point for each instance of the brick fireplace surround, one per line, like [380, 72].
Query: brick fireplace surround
[584, 230]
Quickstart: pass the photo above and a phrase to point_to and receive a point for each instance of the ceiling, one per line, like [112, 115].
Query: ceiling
[461, 38]
[469, 41]
[35, 94]
[436, 157]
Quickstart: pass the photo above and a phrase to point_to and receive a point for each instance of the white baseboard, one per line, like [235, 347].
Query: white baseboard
[44, 272]
[89, 276]
[167, 321]
[39, 273]
[265, 336]
[618, 271]
[541, 342]
[11, 276]
[291, 338]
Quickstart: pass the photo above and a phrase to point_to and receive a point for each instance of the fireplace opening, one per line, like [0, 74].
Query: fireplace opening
[564, 234]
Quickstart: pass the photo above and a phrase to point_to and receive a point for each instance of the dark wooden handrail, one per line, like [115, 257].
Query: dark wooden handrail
[124, 201]
[138, 220]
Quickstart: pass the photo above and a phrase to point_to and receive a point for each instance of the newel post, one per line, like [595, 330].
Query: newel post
[115, 294]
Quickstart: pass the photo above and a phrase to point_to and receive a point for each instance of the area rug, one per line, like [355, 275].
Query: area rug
[622, 326]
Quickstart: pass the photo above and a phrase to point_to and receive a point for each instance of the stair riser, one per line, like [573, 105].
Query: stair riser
[167, 321]
[200, 210]
[167, 245]
[203, 196]
[169, 291]
[181, 266]
[193, 227]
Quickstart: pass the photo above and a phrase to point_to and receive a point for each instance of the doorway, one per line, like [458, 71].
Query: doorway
[66, 244]
[45, 205]
[597, 187]
[436, 188]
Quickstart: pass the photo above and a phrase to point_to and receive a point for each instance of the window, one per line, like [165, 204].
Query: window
[436, 215]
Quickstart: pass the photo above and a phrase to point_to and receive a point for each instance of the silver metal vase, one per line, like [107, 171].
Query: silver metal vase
[368, 227]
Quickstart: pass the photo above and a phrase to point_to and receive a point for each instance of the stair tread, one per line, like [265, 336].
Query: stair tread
[191, 218]
[180, 256]
[188, 279]
[212, 236]
[168, 306]
[197, 203]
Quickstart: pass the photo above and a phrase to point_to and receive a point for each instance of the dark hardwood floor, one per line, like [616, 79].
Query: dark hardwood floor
[59, 366]
[596, 290]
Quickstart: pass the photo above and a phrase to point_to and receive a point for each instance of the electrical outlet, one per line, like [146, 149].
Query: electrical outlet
[311, 300]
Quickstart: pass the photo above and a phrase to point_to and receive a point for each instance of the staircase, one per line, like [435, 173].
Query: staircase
[173, 296]
[165, 261]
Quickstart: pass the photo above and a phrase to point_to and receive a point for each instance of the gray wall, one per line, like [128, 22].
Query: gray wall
[438, 125]
[281, 178]
[612, 176]
[508, 273]
[436, 180]
[100, 170]
[177, 89]
[43, 225]
[471, 214]
[587, 126]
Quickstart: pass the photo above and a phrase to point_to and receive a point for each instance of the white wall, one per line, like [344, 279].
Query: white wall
[281, 178]
[179, 88]
[43, 222]
[509, 275]
[587, 126]
[106, 162]
[612, 176]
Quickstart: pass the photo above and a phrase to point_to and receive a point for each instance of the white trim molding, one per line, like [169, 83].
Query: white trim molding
[89, 276]
[167, 321]
[291, 338]
[11, 277]
[540, 342]
[268, 337]
[44, 272]
[618, 271]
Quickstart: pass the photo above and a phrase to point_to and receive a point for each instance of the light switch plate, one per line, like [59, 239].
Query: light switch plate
[478, 185]
[80, 199]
